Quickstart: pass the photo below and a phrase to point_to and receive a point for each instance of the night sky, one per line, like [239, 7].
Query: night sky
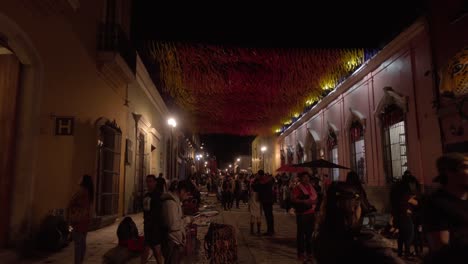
[227, 147]
[268, 24]
[275, 24]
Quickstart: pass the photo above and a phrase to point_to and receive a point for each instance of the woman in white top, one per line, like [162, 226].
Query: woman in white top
[255, 210]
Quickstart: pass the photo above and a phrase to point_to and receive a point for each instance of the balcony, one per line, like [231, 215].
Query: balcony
[116, 55]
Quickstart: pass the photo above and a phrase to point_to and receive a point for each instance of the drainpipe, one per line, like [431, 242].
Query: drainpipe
[126, 103]
[413, 70]
[136, 117]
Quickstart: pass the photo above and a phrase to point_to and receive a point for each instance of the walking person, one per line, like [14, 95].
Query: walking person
[152, 209]
[304, 197]
[79, 215]
[264, 186]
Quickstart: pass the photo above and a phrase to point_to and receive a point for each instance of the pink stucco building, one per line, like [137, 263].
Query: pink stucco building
[379, 122]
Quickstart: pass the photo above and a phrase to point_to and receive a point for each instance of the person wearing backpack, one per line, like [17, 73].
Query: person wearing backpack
[304, 198]
[152, 209]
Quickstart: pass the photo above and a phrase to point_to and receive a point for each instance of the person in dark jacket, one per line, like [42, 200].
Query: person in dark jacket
[263, 185]
[445, 212]
[340, 237]
[152, 208]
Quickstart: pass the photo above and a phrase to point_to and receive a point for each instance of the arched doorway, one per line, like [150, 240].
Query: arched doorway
[26, 127]
[311, 147]
[10, 68]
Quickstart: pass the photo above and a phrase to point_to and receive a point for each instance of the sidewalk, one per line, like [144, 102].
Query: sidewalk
[98, 243]
[280, 248]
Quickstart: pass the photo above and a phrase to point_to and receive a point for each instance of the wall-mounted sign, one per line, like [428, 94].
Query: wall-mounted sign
[64, 126]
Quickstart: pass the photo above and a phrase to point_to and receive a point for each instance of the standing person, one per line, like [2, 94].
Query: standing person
[231, 191]
[162, 181]
[404, 221]
[305, 196]
[264, 186]
[367, 208]
[237, 190]
[415, 192]
[340, 236]
[208, 184]
[255, 210]
[445, 212]
[174, 222]
[326, 181]
[195, 191]
[226, 193]
[79, 214]
[152, 209]
[285, 196]
[245, 189]
[315, 181]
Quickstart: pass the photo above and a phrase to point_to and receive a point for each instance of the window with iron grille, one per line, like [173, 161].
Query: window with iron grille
[290, 155]
[358, 150]
[332, 143]
[313, 150]
[109, 148]
[395, 145]
[282, 157]
[300, 153]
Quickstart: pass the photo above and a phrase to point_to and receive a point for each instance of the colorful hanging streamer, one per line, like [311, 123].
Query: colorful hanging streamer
[248, 91]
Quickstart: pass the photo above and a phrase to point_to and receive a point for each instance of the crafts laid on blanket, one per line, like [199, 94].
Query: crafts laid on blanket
[221, 244]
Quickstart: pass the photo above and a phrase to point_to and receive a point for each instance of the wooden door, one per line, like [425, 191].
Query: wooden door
[9, 81]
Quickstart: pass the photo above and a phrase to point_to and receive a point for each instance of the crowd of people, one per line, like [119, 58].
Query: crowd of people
[329, 215]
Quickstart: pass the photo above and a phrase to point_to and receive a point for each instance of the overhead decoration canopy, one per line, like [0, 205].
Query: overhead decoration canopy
[249, 91]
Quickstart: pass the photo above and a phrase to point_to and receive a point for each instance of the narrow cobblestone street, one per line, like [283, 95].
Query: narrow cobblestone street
[251, 248]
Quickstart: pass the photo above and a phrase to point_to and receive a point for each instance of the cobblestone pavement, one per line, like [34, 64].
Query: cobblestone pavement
[251, 248]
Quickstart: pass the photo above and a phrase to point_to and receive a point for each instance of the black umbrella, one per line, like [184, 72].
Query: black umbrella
[320, 163]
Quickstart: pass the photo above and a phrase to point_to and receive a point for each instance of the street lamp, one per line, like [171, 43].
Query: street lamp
[263, 149]
[172, 123]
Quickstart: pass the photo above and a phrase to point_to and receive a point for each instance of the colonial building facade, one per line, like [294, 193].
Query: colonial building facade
[380, 121]
[76, 101]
